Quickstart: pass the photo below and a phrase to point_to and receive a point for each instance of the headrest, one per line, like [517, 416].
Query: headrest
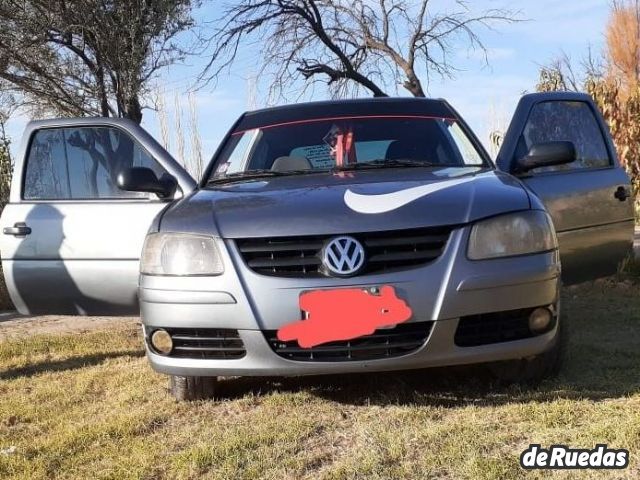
[399, 149]
[283, 164]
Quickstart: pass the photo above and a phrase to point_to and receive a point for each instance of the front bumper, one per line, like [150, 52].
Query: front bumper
[443, 291]
[438, 351]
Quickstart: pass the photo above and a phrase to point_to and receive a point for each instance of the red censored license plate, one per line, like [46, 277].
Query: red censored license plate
[344, 314]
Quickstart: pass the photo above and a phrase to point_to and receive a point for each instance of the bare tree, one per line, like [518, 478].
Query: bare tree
[174, 132]
[365, 43]
[563, 74]
[179, 131]
[88, 57]
[197, 165]
[163, 118]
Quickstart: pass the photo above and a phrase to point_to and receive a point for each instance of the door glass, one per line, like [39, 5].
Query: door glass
[82, 163]
[566, 121]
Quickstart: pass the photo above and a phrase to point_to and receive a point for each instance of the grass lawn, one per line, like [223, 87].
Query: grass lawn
[88, 406]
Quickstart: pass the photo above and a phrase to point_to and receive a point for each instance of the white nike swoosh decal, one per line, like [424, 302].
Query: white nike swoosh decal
[387, 202]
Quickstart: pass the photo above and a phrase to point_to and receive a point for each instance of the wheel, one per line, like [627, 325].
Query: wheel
[532, 370]
[192, 388]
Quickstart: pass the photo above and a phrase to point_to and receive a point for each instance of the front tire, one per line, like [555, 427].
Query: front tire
[532, 370]
[186, 389]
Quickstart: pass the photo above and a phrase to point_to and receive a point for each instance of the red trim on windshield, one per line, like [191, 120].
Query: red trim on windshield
[355, 117]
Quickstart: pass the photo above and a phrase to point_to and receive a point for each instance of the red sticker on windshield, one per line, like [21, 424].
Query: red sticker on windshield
[344, 314]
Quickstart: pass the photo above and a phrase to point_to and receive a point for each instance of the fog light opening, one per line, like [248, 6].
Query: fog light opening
[161, 341]
[540, 320]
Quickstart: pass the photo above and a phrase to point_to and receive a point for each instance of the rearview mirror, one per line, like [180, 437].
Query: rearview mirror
[142, 179]
[545, 155]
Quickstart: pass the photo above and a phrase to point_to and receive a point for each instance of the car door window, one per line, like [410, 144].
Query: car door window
[566, 121]
[82, 164]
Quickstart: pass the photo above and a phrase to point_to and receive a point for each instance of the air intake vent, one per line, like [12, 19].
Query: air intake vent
[395, 342]
[488, 328]
[206, 343]
[385, 251]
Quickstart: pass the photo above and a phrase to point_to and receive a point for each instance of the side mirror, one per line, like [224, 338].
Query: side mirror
[142, 179]
[545, 155]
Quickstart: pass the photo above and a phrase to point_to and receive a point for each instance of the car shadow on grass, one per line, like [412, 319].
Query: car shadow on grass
[67, 364]
[601, 360]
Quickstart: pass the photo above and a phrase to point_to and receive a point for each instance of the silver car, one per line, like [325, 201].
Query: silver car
[332, 237]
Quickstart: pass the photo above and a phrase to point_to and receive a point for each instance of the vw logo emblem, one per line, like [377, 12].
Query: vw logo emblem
[343, 256]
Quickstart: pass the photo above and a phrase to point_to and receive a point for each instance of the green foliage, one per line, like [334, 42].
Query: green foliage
[6, 168]
[551, 80]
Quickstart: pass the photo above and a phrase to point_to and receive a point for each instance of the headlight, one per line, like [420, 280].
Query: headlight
[512, 234]
[180, 254]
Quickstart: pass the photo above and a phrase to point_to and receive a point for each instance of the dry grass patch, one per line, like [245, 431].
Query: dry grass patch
[88, 406]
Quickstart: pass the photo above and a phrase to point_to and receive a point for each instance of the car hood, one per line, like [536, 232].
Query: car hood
[349, 202]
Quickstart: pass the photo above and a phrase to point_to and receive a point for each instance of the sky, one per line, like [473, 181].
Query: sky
[485, 95]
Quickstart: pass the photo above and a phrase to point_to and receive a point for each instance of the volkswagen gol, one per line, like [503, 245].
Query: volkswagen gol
[332, 237]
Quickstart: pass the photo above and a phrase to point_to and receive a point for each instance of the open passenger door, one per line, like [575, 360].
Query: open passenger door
[589, 198]
[71, 239]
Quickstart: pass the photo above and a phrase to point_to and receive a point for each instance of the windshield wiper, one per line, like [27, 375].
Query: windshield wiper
[252, 174]
[395, 163]
[371, 164]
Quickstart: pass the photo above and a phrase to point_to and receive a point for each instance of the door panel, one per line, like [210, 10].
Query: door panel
[80, 258]
[85, 236]
[595, 229]
[595, 252]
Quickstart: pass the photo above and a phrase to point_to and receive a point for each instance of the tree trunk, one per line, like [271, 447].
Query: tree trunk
[133, 110]
[413, 84]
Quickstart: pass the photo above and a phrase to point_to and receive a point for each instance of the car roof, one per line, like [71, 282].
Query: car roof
[387, 106]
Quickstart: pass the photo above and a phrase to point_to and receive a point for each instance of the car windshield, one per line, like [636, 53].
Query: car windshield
[345, 143]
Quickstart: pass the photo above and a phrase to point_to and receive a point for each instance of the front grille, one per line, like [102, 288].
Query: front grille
[301, 256]
[490, 328]
[401, 340]
[206, 343]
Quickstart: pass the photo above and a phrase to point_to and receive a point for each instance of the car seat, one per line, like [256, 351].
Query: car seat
[285, 164]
